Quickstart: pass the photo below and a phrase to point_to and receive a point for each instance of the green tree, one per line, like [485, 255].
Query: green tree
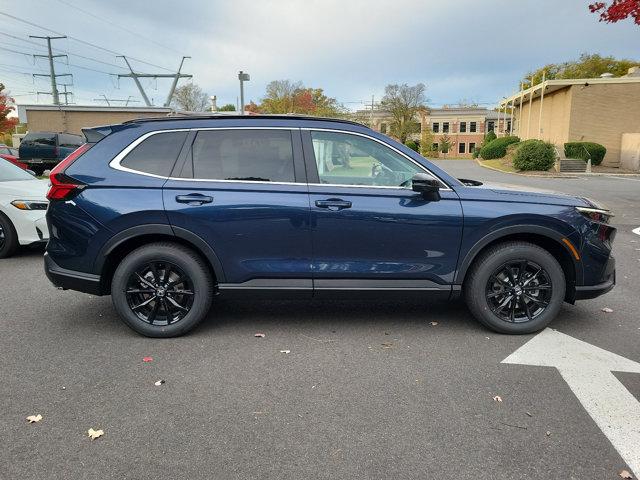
[229, 107]
[587, 66]
[426, 142]
[446, 143]
[404, 102]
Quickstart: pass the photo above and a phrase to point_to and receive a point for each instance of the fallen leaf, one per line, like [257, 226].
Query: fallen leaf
[548, 433]
[497, 398]
[625, 474]
[433, 324]
[147, 359]
[285, 351]
[158, 383]
[34, 418]
[93, 434]
[607, 310]
[259, 335]
[387, 345]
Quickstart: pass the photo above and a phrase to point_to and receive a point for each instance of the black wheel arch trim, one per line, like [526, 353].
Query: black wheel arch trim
[464, 265]
[161, 229]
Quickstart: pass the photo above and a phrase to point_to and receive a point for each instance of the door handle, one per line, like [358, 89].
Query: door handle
[194, 199]
[333, 204]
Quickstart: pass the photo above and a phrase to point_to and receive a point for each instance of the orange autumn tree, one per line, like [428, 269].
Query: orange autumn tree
[6, 123]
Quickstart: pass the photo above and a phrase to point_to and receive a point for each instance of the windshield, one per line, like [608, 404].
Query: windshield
[10, 173]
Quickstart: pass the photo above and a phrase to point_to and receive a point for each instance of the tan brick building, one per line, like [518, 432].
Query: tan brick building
[598, 110]
[72, 118]
[464, 127]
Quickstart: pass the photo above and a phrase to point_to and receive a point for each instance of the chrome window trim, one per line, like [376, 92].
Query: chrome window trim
[116, 162]
[422, 167]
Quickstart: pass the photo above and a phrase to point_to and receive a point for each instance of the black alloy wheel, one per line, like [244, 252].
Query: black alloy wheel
[160, 293]
[519, 291]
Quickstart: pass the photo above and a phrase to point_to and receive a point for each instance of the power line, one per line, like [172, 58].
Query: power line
[80, 40]
[74, 54]
[114, 24]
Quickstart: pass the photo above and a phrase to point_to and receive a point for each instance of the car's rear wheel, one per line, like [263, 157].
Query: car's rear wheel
[515, 287]
[162, 290]
[8, 237]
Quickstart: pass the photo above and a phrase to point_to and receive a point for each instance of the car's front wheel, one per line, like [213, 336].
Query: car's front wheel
[8, 237]
[162, 290]
[515, 287]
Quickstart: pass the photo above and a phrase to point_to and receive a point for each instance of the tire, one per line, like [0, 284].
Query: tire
[8, 237]
[149, 266]
[495, 276]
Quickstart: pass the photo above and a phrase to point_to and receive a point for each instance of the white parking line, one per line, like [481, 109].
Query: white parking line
[636, 231]
[624, 178]
[587, 370]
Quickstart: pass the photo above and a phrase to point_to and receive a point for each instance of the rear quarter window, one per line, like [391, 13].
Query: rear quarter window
[70, 141]
[156, 154]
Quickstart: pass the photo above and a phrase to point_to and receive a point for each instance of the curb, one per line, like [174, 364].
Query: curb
[526, 174]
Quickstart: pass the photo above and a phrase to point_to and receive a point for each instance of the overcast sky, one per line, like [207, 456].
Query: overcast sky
[462, 49]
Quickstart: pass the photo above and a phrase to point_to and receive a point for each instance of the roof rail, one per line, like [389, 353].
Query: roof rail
[213, 116]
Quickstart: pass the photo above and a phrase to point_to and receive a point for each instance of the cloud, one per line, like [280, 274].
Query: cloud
[351, 48]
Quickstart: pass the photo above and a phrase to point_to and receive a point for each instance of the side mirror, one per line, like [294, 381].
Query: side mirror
[426, 185]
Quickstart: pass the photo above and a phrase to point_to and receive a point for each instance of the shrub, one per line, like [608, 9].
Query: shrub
[584, 149]
[497, 148]
[412, 145]
[475, 152]
[489, 137]
[534, 155]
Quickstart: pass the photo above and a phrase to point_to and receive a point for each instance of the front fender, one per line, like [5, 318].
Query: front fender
[553, 229]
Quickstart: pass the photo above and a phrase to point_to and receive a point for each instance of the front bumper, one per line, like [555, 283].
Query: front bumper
[71, 280]
[585, 292]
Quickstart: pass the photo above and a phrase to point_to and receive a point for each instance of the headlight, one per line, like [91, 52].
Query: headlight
[599, 215]
[29, 205]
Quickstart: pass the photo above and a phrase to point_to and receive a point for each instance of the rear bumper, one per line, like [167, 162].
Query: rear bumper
[592, 291]
[70, 279]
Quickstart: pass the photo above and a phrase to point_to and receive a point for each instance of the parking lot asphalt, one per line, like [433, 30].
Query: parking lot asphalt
[370, 389]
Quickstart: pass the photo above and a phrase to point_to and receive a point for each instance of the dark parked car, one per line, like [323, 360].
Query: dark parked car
[163, 214]
[42, 151]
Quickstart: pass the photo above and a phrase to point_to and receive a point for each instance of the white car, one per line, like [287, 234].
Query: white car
[23, 205]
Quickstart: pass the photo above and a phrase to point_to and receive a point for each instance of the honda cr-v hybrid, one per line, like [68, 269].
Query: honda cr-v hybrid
[164, 214]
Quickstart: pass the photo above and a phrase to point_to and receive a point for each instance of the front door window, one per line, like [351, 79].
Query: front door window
[344, 159]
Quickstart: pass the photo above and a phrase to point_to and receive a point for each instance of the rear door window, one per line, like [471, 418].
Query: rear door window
[156, 154]
[243, 154]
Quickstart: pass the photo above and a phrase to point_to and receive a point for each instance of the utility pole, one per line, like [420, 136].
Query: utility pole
[243, 77]
[175, 83]
[372, 104]
[137, 76]
[65, 93]
[52, 72]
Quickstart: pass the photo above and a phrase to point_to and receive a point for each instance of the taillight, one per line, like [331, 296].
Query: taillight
[63, 187]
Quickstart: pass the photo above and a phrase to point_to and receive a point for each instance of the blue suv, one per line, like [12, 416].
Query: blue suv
[164, 214]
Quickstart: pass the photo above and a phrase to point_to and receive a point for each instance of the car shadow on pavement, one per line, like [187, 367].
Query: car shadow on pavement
[321, 313]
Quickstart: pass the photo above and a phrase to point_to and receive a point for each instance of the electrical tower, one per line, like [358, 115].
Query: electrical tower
[52, 72]
[136, 76]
